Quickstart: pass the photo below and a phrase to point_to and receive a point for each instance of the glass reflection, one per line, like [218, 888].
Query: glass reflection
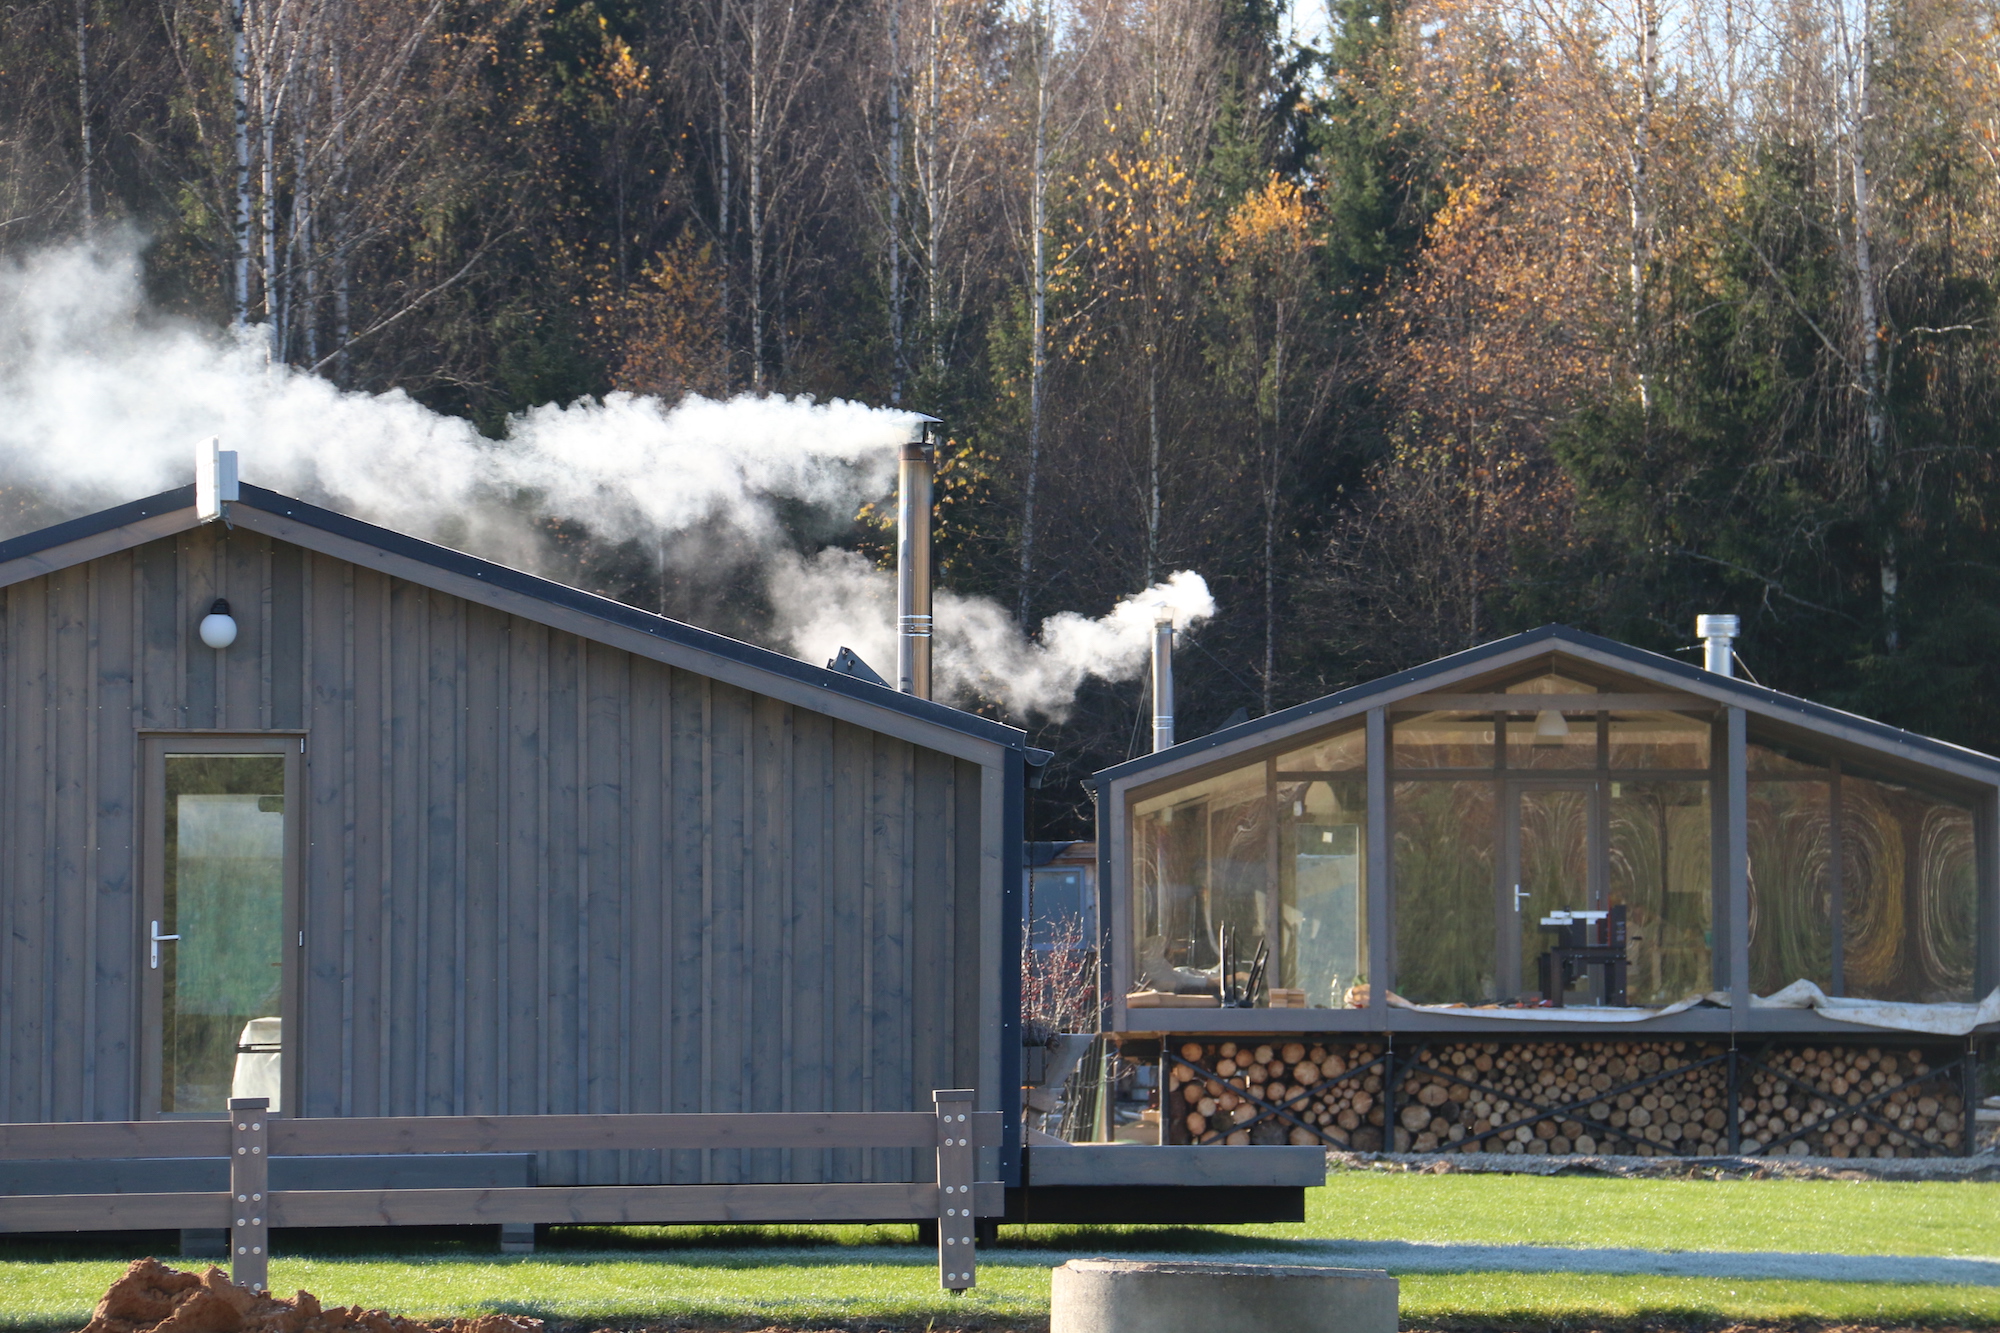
[1446, 841]
[1552, 740]
[225, 892]
[1323, 912]
[1660, 872]
[1791, 898]
[1658, 740]
[1277, 861]
[1443, 740]
[1909, 876]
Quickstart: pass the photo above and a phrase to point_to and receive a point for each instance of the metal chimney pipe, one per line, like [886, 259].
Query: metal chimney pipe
[914, 475]
[1163, 683]
[1718, 634]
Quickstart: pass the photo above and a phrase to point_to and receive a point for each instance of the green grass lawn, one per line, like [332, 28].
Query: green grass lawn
[1827, 1216]
[752, 1277]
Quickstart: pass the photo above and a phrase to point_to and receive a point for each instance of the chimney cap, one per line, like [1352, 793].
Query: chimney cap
[1717, 627]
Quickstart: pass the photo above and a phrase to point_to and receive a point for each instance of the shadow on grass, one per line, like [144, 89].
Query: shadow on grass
[637, 1239]
[646, 1240]
[1158, 1239]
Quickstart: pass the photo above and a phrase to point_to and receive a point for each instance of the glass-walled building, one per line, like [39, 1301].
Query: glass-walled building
[1374, 855]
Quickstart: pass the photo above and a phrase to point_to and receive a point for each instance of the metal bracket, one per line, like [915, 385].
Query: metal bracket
[958, 1265]
[249, 1193]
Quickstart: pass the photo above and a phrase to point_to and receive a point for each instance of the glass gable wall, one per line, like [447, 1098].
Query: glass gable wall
[1498, 816]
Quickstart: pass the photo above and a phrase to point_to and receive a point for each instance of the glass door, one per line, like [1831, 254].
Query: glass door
[220, 923]
[1553, 864]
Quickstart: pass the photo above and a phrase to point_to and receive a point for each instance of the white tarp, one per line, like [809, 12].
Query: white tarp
[1943, 1020]
[1574, 1013]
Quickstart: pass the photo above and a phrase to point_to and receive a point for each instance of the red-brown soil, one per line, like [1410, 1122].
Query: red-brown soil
[153, 1298]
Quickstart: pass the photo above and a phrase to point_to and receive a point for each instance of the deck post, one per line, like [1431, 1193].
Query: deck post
[957, 1265]
[249, 1188]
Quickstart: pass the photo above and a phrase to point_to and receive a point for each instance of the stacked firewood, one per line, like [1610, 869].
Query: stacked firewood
[1671, 1114]
[1293, 1075]
[1917, 1121]
[1641, 1098]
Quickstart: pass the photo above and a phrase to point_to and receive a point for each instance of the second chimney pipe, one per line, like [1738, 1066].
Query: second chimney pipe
[913, 560]
[1163, 684]
[1718, 635]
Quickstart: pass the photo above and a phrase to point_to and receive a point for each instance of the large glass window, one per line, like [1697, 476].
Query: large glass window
[1909, 900]
[1323, 897]
[1862, 886]
[1660, 871]
[1274, 852]
[1446, 844]
[1791, 883]
[1580, 809]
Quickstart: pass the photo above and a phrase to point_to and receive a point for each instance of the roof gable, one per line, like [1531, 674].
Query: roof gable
[1593, 654]
[516, 592]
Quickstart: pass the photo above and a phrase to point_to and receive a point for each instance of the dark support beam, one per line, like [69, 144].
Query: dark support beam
[1736, 845]
[1377, 860]
[1986, 839]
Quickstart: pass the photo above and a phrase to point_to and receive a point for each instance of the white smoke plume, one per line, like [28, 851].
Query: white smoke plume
[101, 401]
[837, 599]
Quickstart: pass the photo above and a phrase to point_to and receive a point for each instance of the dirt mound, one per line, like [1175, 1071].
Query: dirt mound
[153, 1298]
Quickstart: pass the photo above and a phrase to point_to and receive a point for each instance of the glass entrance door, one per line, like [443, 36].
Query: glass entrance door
[1553, 864]
[218, 925]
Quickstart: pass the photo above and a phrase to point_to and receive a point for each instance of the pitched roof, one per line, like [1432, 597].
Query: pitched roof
[288, 519]
[1728, 691]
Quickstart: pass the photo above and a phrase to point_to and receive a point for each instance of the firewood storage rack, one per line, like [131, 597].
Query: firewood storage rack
[251, 1136]
[1402, 1068]
[1964, 1065]
[1286, 1111]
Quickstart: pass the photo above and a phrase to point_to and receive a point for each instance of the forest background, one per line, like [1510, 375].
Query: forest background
[1425, 322]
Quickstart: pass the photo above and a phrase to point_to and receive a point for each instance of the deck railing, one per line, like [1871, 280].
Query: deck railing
[251, 1136]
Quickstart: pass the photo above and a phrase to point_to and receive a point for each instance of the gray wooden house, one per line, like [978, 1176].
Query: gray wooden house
[429, 836]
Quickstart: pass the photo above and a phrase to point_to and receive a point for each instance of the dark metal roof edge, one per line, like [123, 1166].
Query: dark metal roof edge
[1758, 698]
[629, 617]
[105, 520]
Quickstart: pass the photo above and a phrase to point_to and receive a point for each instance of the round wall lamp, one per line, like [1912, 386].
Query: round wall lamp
[218, 627]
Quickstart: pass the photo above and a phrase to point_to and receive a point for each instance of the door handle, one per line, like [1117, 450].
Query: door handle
[158, 940]
[1519, 894]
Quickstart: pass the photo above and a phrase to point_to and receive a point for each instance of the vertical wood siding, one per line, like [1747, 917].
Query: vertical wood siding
[543, 874]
